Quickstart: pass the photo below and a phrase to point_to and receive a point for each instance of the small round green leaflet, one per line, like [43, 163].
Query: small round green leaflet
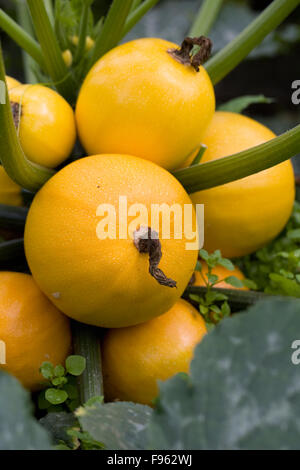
[47, 370]
[75, 365]
[56, 397]
[59, 371]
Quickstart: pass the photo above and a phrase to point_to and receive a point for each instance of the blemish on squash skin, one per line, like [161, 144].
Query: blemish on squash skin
[56, 295]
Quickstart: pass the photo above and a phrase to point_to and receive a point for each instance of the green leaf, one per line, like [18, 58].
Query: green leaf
[212, 278]
[94, 400]
[43, 404]
[18, 429]
[58, 424]
[203, 309]
[120, 425]
[56, 397]
[71, 391]
[287, 286]
[215, 308]
[204, 254]
[244, 390]
[47, 370]
[250, 284]
[227, 264]
[57, 381]
[234, 281]
[238, 105]
[294, 234]
[225, 309]
[75, 365]
[59, 371]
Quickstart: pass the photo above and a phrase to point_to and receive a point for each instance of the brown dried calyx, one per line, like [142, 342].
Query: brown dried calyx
[15, 108]
[185, 56]
[146, 241]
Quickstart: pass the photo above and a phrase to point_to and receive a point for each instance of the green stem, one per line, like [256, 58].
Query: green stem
[135, 4]
[111, 32]
[50, 11]
[83, 27]
[238, 299]
[54, 63]
[205, 18]
[12, 218]
[21, 37]
[24, 21]
[25, 173]
[234, 167]
[229, 57]
[137, 14]
[87, 344]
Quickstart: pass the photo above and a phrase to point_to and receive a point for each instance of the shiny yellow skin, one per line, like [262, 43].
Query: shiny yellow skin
[47, 126]
[135, 358]
[104, 282]
[138, 100]
[32, 329]
[242, 216]
[11, 82]
[10, 192]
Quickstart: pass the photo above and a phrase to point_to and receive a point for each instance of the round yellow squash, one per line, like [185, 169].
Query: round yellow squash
[46, 123]
[135, 358]
[139, 100]
[32, 330]
[11, 82]
[10, 192]
[103, 278]
[242, 216]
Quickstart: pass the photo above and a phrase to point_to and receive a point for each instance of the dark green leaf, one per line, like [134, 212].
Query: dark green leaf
[57, 424]
[244, 391]
[120, 425]
[226, 263]
[18, 429]
[234, 281]
[238, 105]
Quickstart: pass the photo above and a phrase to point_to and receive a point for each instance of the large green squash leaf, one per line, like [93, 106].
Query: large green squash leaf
[18, 429]
[244, 390]
[119, 426]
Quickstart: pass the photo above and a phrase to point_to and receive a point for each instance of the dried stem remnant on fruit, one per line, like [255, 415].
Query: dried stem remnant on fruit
[146, 241]
[15, 108]
[185, 56]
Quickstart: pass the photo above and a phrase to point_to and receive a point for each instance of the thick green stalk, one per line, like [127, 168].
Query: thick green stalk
[229, 57]
[21, 37]
[205, 18]
[86, 343]
[25, 21]
[54, 63]
[135, 4]
[25, 173]
[111, 32]
[137, 14]
[248, 162]
[50, 11]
